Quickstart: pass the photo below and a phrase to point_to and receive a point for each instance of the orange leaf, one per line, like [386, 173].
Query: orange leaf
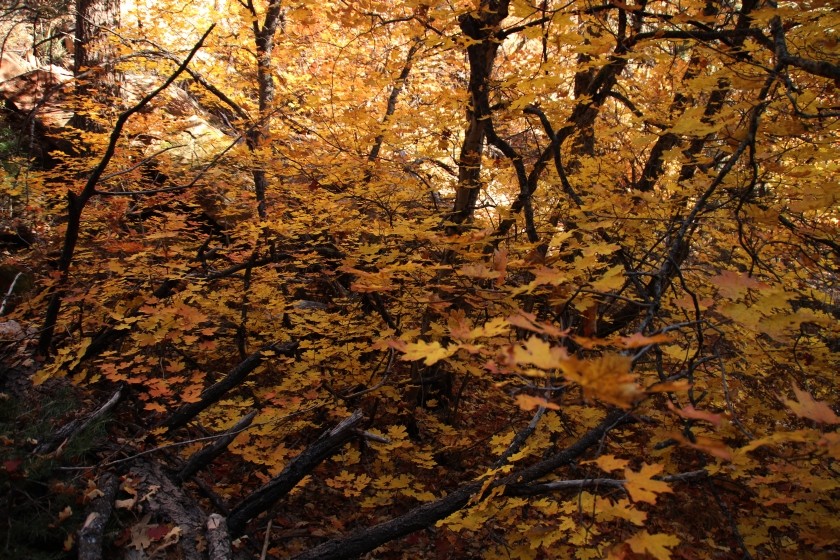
[528, 321]
[733, 285]
[637, 340]
[692, 413]
[527, 402]
[670, 386]
[500, 261]
[713, 447]
[806, 407]
[607, 378]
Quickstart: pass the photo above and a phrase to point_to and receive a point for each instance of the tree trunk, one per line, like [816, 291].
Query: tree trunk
[93, 56]
[93, 20]
[481, 28]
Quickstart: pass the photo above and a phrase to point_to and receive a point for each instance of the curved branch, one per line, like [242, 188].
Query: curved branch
[76, 203]
[421, 517]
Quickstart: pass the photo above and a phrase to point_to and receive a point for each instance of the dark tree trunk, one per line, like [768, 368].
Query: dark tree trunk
[264, 38]
[481, 27]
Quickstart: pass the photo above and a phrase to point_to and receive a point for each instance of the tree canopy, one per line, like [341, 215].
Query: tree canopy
[485, 278]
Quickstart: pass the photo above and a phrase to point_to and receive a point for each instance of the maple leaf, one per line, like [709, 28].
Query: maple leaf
[641, 486]
[611, 280]
[733, 285]
[65, 513]
[624, 509]
[500, 261]
[669, 386]
[12, 465]
[637, 340]
[527, 402]
[140, 539]
[607, 378]
[712, 446]
[609, 463]
[831, 442]
[429, 352]
[528, 321]
[494, 327]
[478, 271]
[656, 545]
[539, 353]
[806, 407]
[692, 413]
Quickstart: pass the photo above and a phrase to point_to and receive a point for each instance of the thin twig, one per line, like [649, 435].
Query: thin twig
[266, 540]
[9, 293]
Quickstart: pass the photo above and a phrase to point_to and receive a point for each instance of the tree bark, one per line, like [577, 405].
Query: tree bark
[282, 484]
[98, 513]
[167, 501]
[421, 517]
[93, 19]
[92, 56]
[257, 136]
[481, 28]
[213, 393]
[206, 455]
[218, 538]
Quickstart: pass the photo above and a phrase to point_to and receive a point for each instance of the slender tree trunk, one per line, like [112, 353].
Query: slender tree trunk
[264, 38]
[481, 28]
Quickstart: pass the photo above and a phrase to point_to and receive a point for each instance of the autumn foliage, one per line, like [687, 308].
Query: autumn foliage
[490, 278]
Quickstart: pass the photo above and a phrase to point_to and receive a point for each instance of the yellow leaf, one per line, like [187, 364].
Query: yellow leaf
[478, 271]
[65, 513]
[623, 509]
[642, 487]
[611, 280]
[608, 463]
[806, 407]
[429, 352]
[539, 353]
[798, 436]
[656, 545]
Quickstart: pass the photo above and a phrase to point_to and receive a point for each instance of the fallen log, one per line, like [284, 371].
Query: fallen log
[66, 433]
[207, 454]
[165, 500]
[234, 377]
[91, 535]
[218, 538]
[261, 500]
[365, 540]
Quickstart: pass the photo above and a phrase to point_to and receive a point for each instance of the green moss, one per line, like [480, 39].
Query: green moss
[33, 490]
